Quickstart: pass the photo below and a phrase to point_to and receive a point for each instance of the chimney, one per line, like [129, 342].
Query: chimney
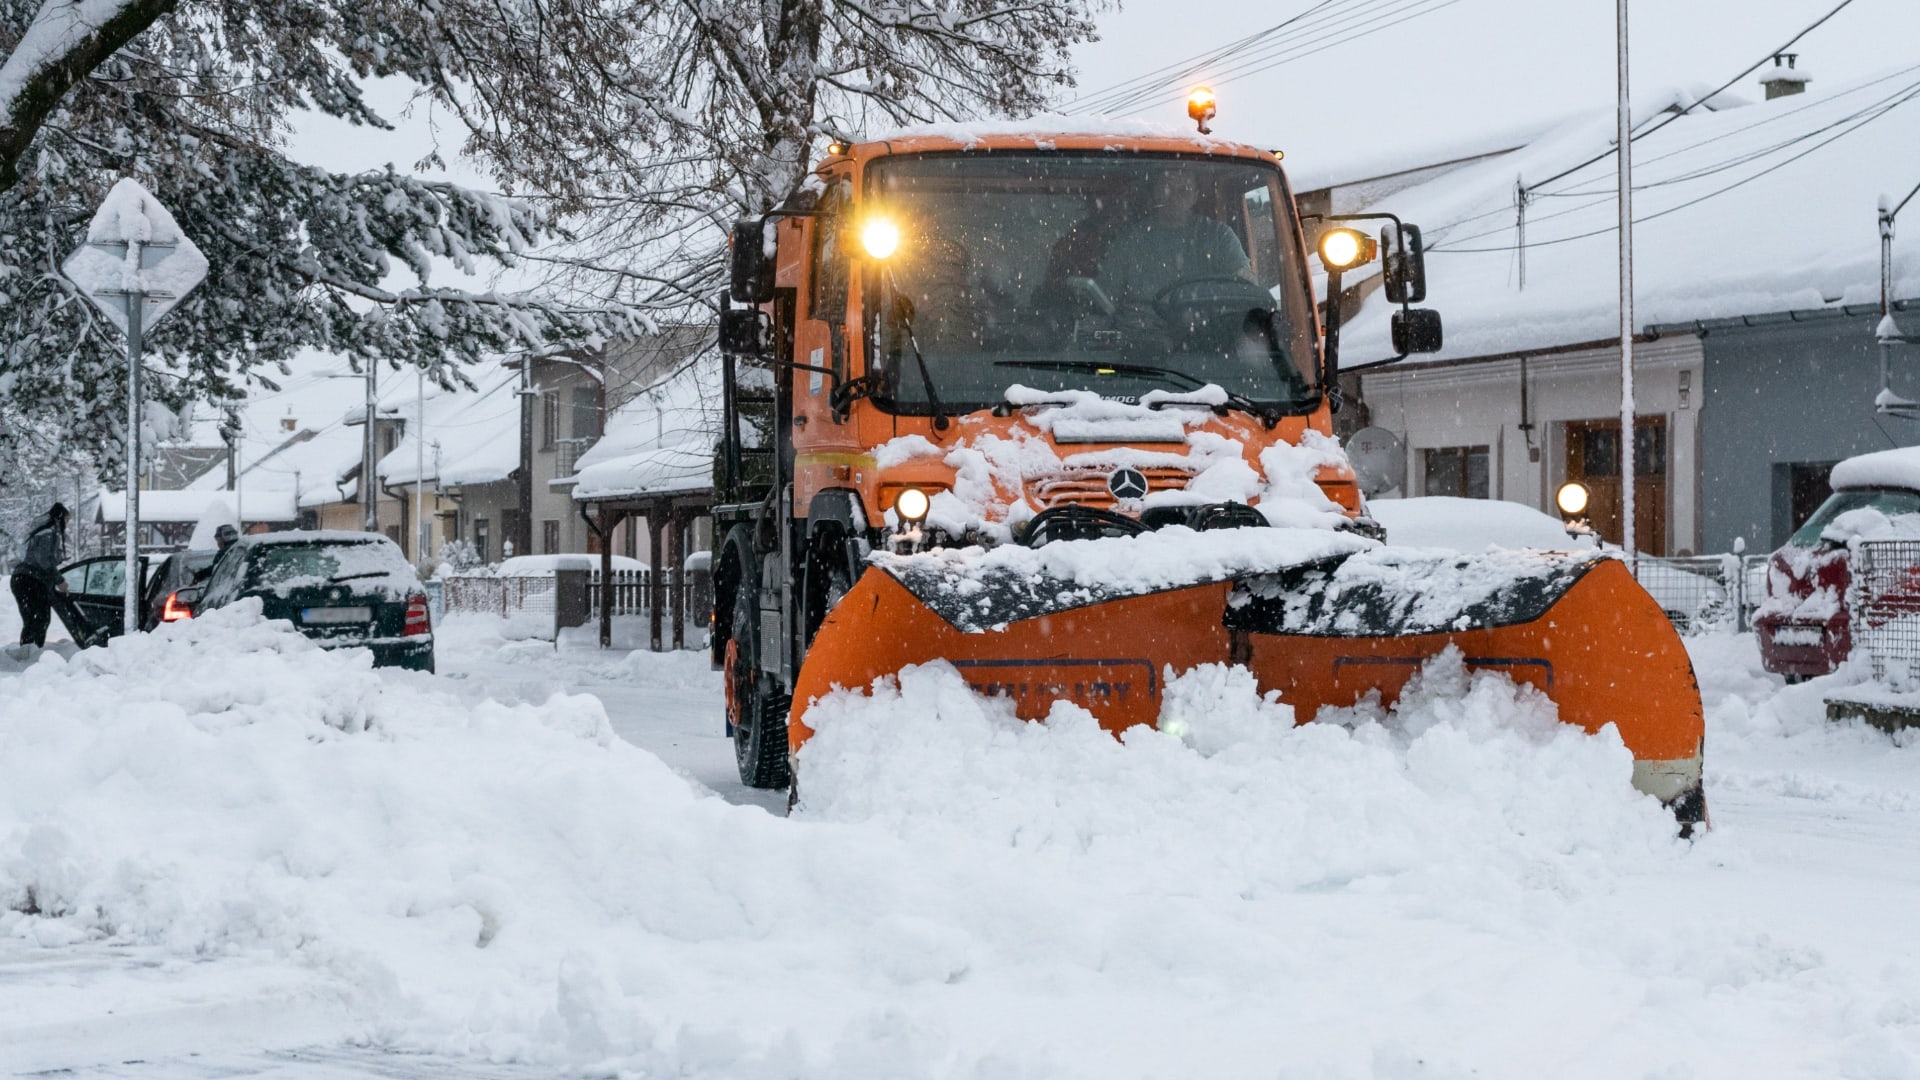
[288, 423]
[1784, 78]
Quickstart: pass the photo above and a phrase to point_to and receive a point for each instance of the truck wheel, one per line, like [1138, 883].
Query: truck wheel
[758, 717]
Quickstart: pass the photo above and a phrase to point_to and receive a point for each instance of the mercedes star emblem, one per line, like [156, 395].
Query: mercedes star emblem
[1126, 483]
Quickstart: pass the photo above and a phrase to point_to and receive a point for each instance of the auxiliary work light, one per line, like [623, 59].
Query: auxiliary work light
[911, 505]
[880, 237]
[1343, 249]
[1572, 498]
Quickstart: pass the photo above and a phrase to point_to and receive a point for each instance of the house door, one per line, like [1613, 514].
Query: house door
[1593, 458]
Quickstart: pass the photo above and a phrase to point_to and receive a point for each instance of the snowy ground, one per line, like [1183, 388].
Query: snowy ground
[226, 854]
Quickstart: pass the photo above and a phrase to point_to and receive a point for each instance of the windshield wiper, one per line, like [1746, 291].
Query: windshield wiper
[903, 310]
[350, 577]
[1268, 417]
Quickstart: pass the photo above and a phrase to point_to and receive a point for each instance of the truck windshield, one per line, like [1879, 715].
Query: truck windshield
[1117, 273]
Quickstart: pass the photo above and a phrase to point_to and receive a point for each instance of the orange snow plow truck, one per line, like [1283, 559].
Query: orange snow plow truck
[1055, 407]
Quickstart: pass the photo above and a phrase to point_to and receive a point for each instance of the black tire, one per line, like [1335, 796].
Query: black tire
[830, 576]
[756, 713]
[1690, 811]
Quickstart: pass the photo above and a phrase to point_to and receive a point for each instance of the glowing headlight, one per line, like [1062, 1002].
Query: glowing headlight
[1344, 249]
[1572, 499]
[880, 237]
[911, 505]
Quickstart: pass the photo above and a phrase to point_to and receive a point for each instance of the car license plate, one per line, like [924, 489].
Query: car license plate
[1798, 636]
[328, 615]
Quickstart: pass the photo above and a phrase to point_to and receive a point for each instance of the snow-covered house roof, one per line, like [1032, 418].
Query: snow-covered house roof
[472, 436]
[660, 442]
[1764, 208]
[185, 507]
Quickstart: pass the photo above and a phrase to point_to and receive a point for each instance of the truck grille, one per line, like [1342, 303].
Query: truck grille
[1088, 488]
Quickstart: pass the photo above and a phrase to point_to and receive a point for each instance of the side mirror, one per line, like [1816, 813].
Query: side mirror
[743, 332]
[752, 279]
[1403, 264]
[189, 597]
[1416, 330]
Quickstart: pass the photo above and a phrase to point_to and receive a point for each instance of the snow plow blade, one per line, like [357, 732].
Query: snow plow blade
[1324, 632]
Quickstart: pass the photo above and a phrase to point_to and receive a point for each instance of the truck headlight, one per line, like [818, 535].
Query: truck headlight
[912, 505]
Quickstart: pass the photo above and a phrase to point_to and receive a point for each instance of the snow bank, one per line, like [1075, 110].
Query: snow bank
[963, 895]
[1456, 887]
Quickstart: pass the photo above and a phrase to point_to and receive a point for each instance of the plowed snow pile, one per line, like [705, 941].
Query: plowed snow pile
[1459, 888]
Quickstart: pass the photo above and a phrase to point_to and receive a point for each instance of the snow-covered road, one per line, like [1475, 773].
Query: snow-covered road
[225, 854]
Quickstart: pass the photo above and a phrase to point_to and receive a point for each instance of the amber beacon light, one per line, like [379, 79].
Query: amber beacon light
[1202, 107]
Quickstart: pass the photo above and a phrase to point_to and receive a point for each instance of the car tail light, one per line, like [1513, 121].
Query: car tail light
[173, 610]
[419, 621]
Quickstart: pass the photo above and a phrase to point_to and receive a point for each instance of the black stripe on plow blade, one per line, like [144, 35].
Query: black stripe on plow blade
[1401, 593]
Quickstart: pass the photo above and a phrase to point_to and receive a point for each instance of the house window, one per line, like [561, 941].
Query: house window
[389, 438]
[549, 537]
[586, 414]
[1457, 470]
[480, 535]
[549, 420]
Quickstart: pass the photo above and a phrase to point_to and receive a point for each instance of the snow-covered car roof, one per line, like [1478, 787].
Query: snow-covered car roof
[1898, 468]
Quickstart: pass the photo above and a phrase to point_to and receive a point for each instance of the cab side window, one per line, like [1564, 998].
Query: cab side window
[832, 231]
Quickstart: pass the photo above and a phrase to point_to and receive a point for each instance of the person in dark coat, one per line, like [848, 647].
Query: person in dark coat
[36, 578]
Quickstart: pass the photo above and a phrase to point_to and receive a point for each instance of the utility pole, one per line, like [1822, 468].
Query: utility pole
[369, 489]
[420, 468]
[1888, 332]
[1627, 441]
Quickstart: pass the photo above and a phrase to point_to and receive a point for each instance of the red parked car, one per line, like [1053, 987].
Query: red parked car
[1803, 625]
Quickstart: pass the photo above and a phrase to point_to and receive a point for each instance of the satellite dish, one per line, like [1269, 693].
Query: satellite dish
[1379, 460]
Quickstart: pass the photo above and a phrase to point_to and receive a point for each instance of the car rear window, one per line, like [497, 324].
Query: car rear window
[1888, 501]
[366, 566]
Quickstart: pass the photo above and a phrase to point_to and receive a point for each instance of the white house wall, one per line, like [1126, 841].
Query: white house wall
[1478, 403]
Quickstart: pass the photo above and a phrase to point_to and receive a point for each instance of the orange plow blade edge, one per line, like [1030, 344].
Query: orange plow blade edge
[1575, 626]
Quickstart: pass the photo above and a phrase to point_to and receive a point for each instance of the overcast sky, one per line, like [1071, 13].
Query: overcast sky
[1457, 68]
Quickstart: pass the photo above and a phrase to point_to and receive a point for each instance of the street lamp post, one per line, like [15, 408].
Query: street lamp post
[1887, 332]
[1624, 135]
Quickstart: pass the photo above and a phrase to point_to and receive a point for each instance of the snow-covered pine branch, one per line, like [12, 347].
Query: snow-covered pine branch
[192, 97]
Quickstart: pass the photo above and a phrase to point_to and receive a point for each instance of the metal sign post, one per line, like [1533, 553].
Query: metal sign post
[135, 266]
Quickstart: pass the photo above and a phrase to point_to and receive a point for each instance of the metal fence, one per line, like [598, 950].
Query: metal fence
[1883, 608]
[502, 596]
[1705, 594]
[632, 589]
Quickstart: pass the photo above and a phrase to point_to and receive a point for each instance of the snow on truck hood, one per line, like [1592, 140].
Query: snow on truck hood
[1005, 473]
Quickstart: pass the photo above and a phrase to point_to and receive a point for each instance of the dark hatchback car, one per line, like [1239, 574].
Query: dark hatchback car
[96, 587]
[342, 589]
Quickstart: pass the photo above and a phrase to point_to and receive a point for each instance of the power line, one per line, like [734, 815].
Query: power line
[1862, 121]
[1090, 102]
[1698, 101]
[1595, 198]
[1318, 28]
[1374, 26]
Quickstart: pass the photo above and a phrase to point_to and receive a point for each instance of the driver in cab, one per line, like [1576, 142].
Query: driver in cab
[1168, 243]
